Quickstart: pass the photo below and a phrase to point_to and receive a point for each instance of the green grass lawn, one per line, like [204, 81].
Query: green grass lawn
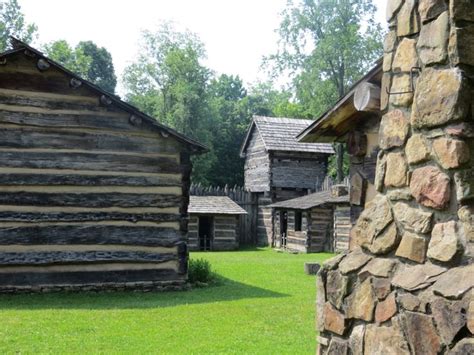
[265, 305]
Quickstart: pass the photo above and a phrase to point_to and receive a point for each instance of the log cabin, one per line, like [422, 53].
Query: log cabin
[93, 192]
[278, 168]
[318, 222]
[355, 120]
[213, 224]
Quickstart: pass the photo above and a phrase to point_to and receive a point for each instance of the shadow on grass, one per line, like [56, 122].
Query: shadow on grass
[224, 291]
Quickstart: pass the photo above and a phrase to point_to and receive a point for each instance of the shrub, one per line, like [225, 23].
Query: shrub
[200, 272]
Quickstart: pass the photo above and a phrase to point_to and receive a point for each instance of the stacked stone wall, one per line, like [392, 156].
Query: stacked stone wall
[407, 288]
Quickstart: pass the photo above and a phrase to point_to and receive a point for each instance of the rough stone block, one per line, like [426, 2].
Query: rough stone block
[431, 111]
[393, 6]
[431, 187]
[408, 20]
[338, 347]
[401, 91]
[394, 128]
[405, 56]
[446, 241]
[390, 41]
[430, 9]
[455, 283]
[381, 267]
[311, 268]
[412, 247]
[449, 318]
[385, 339]
[385, 241]
[421, 333]
[432, 44]
[416, 149]
[410, 302]
[354, 261]
[372, 221]
[386, 309]
[397, 169]
[412, 278]
[382, 287]
[451, 153]
[361, 303]
[356, 340]
[337, 287]
[461, 10]
[412, 218]
[463, 347]
[334, 321]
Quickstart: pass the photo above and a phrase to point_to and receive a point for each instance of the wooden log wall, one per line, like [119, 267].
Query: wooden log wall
[247, 224]
[320, 230]
[86, 195]
[225, 232]
[342, 227]
[298, 170]
[257, 165]
[297, 241]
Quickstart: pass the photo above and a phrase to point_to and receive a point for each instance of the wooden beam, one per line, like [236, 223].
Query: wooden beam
[367, 97]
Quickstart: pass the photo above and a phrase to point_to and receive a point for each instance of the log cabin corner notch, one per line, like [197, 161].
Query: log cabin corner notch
[93, 192]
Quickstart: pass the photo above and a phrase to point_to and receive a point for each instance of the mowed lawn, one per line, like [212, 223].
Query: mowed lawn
[264, 305]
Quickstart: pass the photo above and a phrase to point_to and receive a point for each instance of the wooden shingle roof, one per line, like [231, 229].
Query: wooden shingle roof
[214, 205]
[310, 201]
[279, 134]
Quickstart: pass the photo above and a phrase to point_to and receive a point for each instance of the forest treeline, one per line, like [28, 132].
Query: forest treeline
[324, 47]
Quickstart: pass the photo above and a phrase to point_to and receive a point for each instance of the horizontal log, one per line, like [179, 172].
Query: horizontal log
[89, 199]
[90, 235]
[12, 137]
[52, 216]
[72, 257]
[86, 277]
[70, 121]
[87, 161]
[18, 176]
[52, 102]
[49, 81]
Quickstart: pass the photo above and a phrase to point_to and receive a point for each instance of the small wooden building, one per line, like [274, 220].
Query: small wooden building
[355, 120]
[278, 168]
[319, 222]
[213, 223]
[93, 193]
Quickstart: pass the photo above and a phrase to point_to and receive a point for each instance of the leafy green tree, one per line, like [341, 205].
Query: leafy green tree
[169, 82]
[326, 46]
[229, 111]
[265, 100]
[86, 60]
[101, 69]
[12, 23]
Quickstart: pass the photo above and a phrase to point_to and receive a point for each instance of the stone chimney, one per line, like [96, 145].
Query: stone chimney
[407, 288]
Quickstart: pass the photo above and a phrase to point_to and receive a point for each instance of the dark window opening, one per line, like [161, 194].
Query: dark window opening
[298, 221]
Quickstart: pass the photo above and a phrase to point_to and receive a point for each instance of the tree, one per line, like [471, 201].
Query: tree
[326, 46]
[101, 69]
[86, 60]
[229, 111]
[12, 23]
[169, 82]
[265, 100]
